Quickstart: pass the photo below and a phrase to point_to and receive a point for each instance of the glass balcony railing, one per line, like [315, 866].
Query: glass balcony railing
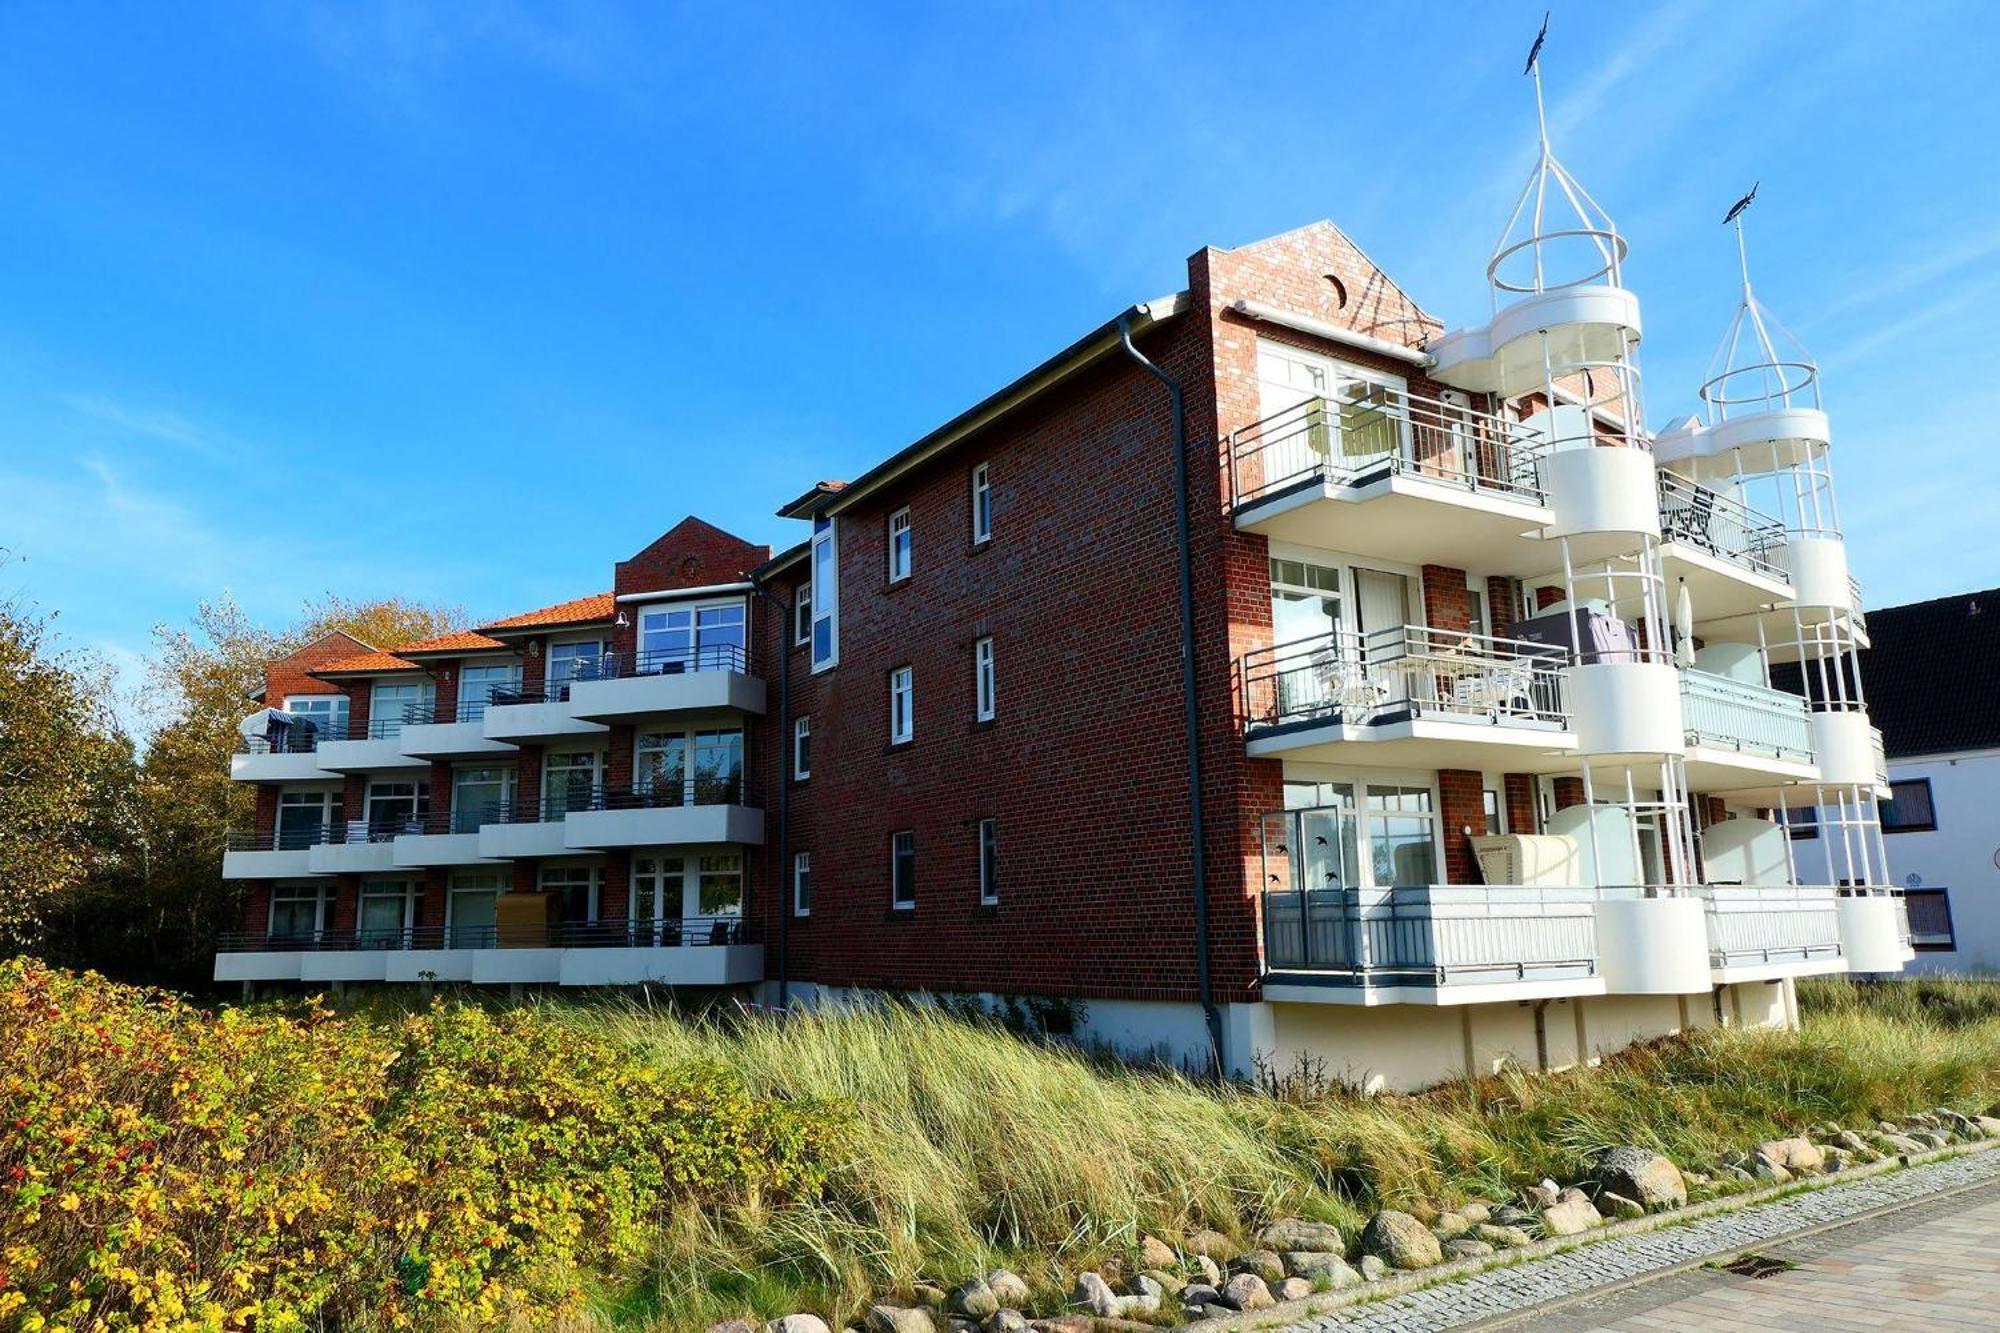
[1405, 669]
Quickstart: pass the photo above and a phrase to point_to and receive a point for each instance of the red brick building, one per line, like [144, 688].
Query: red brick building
[1474, 784]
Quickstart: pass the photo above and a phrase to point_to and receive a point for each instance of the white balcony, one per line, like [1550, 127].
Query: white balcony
[1434, 944]
[265, 765]
[1389, 474]
[357, 849]
[1874, 929]
[265, 856]
[535, 716]
[1729, 555]
[657, 684]
[1406, 696]
[1764, 932]
[663, 826]
[439, 845]
[379, 748]
[524, 832]
[465, 738]
[1743, 736]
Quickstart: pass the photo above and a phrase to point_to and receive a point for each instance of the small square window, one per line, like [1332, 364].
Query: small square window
[982, 679]
[1909, 808]
[802, 897]
[989, 862]
[802, 734]
[1930, 920]
[982, 505]
[903, 870]
[902, 705]
[802, 615]
[899, 545]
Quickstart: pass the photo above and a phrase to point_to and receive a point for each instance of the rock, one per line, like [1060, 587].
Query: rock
[1167, 1282]
[1094, 1294]
[1464, 1247]
[1156, 1253]
[1450, 1226]
[1507, 1215]
[1401, 1240]
[1740, 1176]
[733, 1326]
[1573, 1195]
[1474, 1213]
[1293, 1289]
[1988, 1125]
[1887, 1127]
[1920, 1120]
[1263, 1263]
[1008, 1289]
[930, 1293]
[1064, 1323]
[1771, 1173]
[1246, 1291]
[1617, 1205]
[1797, 1155]
[798, 1323]
[1145, 1298]
[1197, 1294]
[973, 1298]
[898, 1319]
[1694, 1179]
[1211, 1271]
[1005, 1321]
[1853, 1142]
[1372, 1268]
[1502, 1237]
[1211, 1244]
[1112, 1270]
[1542, 1195]
[1936, 1138]
[1642, 1176]
[1315, 1265]
[958, 1323]
[1569, 1217]
[1294, 1233]
[1837, 1159]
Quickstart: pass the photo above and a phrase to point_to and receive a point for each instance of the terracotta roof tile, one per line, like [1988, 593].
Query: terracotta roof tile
[597, 606]
[363, 662]
[463, 641]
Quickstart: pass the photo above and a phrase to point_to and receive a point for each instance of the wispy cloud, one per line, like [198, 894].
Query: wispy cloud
[157, 424]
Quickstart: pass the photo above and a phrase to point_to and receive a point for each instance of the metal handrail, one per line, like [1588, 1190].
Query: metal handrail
[1390, 431]
[1435, 934]
[1782, 380]
[1775, 923]
[1402, 668]
[701, 789]
[647, 933]
[297, 738]
[1721, 525]
[1733, 714]
[279, 840]
[1615, 252]
[674, 661]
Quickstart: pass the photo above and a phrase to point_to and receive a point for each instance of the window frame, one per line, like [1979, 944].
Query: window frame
[802, 747]
[1931, 943]
[908, 547]
[985, 680]
[824, 554]
[802, 615]
[903, 690]
[1930, 801]
[982, 503]
[802, 883]
[987, 840]
[902, 851]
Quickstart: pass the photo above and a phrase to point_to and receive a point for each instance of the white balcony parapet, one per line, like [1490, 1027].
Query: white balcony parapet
[1720, 713]
[1403, 671]
[1766, 931]
[710, 678]
[1705, 520]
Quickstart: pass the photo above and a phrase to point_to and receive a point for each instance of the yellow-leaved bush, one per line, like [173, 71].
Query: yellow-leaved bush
[167, 1168]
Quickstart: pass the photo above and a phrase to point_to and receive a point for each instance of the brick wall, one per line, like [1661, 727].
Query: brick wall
[287, 675]
[1522, 815]
[1461, 805]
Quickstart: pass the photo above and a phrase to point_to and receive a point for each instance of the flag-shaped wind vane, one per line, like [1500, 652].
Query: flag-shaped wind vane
[1535, 51]
[1736, 209]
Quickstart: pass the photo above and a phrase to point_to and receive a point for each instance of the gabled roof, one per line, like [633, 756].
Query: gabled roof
[450, 645]
[577, 611]
[1933, 677]
[370, 663]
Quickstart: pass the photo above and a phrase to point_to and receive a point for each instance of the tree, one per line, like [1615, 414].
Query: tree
[65, 775]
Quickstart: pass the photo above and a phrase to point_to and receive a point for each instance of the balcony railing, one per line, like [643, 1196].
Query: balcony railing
[1880, 755]
[1754, 924]
[1379, 432]
[554, 807]
[1721, 525]
[663, 933]
[297, 738]
[462, 710]
[1726, 714]
[1357, 678]
[671, 662]
[293, 839]
[1433, 934]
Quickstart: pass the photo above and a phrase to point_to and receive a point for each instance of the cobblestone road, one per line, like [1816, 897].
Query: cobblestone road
[1879, 1290]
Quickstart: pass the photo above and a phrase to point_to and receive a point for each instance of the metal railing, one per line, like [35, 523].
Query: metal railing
[1720, 525]
[356, 831]
[554, 807]
[1433, 934]
[1749, 924]
[1402, 669]
[295, 839]
[1879, 753]
[1381, 432]
[1735, 715]
[673, 661]
[660, 933]
[296, 738]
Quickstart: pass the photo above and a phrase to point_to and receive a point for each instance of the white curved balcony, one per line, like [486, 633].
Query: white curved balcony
[1764, 932]
[1874, 929]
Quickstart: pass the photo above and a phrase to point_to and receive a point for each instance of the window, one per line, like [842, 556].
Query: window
[326, 712]
[1305, 600]
[298, 913]
[719, 885]
[569, 782]
[903, 870]
[472, 911]
[688, 768]
[476, 685]
[989, 862]
[1930, 920]
[982, 505]
[899, 545]
[1801, 823]
[802, 894]
[397, 807]
[575, 887]
[477, 795]
[802, 736]
[673, 639]
[572, 661]
[391, 705]
[388, 913]
[307, 818]
[1496, 811]
[982, 679]
[902, 689]
[802, 615]
[1477, 611]
[1402, 836]
[656, 909]
[825, 595]
[1909, 808]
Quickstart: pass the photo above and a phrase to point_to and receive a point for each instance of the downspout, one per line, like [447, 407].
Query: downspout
[1191, 717]
[783, 778]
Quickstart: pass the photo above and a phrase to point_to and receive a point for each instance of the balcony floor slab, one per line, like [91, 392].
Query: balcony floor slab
[1309, 988]
[1436, 740]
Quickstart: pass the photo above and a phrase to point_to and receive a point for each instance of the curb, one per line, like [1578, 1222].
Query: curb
[1287, 1312]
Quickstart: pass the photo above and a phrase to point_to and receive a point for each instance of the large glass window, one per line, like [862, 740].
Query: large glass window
[1305, 600]
[572, 661]
[476, 685]
[825, 595]
[298, 913]
[692, 638]
[477, 794]
[472, 911]
[327, 714]
[656, 899]
[306, 818]
[397, 806]
[388, 914]
[391, 704]
[569, 782]
[1324, 835]
[1401, 836]
[720, 885]
[659, 767]
[576, 888]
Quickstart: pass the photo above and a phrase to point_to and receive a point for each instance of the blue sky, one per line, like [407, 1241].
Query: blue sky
[465, 301]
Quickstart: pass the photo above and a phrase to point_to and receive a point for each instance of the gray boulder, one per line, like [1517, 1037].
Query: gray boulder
[1618, 1206]
[1197, 1294]
[1295, 1233]
[1401, 1240]
[1317, 1265]
[1507, 1215]
[1503, 1237]
[1642, 1176]
[1007, 1288]
[898, 1319]
[1263, 1263]
[798, 1323]
[1094, 1294]
[1156, 1253]
[1570, 1217]
[1543, 1194]
[973, 1298]
[1464, 1247]
[1450, 1226]
[1293, 1289]
[1005, 1321]
[1210, 1271]
[1247, 1291]
[1372, 1268]
[1853, 1142]
[1166, 1282]
[1800, 1156]
[1474, 1213]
